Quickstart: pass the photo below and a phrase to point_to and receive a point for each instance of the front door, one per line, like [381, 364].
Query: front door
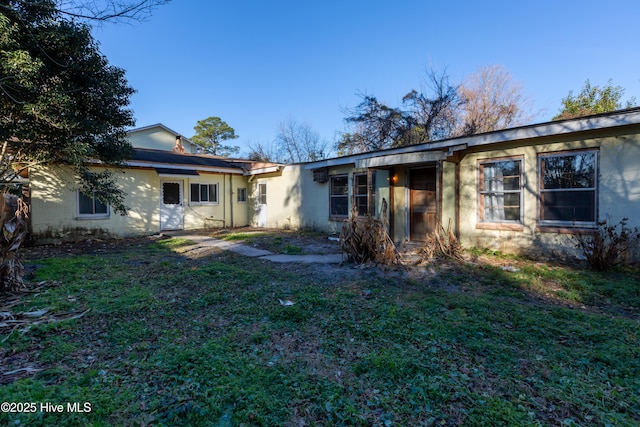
[171, 205]
[422, 203]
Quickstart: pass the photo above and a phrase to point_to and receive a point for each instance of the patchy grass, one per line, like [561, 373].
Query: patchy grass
[172, 340]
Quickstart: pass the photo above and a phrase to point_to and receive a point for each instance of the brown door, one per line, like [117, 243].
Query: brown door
[422, 202]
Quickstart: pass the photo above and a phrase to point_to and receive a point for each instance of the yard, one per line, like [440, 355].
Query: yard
[148, 333]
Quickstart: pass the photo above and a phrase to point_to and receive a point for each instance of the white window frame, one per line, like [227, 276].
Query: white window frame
[242, 191]
[335, 196]
[262, 193]
[542, 191]
[199, 201]
[484, 193]
[93, 215]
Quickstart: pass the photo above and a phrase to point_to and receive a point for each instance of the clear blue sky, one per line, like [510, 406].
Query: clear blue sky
[256, 63]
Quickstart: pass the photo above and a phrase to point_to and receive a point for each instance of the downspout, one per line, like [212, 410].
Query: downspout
[224, 208]
[231, 198]
[457, 200]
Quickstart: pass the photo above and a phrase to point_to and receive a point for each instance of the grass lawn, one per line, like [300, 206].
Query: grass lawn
[204, 341]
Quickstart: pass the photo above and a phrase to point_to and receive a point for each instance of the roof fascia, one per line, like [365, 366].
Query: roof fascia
[186, 167]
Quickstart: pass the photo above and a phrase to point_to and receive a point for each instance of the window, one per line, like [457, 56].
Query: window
[90, 206]
[364, 193]
[262, 194]
[204, 193]
[500, 190]
[568, 184]
[242, 195]
[339, 196]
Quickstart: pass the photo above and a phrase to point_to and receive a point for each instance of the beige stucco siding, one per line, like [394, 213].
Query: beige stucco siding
[296, 201]
[55, 214]
[55, 206]
[448, 194]
[220, 213]
[618, 194]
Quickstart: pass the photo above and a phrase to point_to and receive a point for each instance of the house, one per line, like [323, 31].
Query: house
[518, 190]
[166, 189]
[160, 137]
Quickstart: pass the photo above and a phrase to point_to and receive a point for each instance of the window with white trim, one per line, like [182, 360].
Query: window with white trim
[500, 190]
[204, 193]
[90, 207]
[568, 186]
[364, 193]
[242, 195]
[339, 196]
[262, 194]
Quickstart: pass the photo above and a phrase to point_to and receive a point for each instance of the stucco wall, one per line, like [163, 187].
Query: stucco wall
[55, 205]
[54, 212]
[222, 213]
[618, 193]
[296, 201]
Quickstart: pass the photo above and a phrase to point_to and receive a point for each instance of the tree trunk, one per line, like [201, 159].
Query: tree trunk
[14, 213]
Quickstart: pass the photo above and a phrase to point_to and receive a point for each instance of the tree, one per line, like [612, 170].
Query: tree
[486, 101]
[210, 134]
[295, 142]
[427, 117]
[378, 126]
[593, 100]
[491, 100]
[108, 10]
[434, 115]
[61, 103]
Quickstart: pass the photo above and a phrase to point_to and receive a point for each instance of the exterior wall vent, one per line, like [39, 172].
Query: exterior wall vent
[321, 175]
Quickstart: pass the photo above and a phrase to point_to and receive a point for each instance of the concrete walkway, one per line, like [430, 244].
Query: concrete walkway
[249, 251]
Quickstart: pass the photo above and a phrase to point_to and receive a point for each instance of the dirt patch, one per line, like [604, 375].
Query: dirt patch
[283, 241]
[86, 247]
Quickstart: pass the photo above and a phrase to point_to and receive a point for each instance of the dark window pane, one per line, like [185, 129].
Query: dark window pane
[569, 206]
[85, 204]
[204, 193]
[339, 185]
[571, 171]
[195, 192]
[171, 193]
[213, 193]
[242, 194]
[339, 206]
[100, 208]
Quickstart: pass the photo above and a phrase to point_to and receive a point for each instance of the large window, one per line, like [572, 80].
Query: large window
[204, 193]
[89, 206]
[500, 190]
[339, 196]
[364, 193]
[568, 188]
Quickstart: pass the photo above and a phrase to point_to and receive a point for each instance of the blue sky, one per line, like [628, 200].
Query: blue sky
[256, 63]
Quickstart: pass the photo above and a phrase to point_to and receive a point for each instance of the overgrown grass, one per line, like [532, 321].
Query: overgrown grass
[176, 341]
